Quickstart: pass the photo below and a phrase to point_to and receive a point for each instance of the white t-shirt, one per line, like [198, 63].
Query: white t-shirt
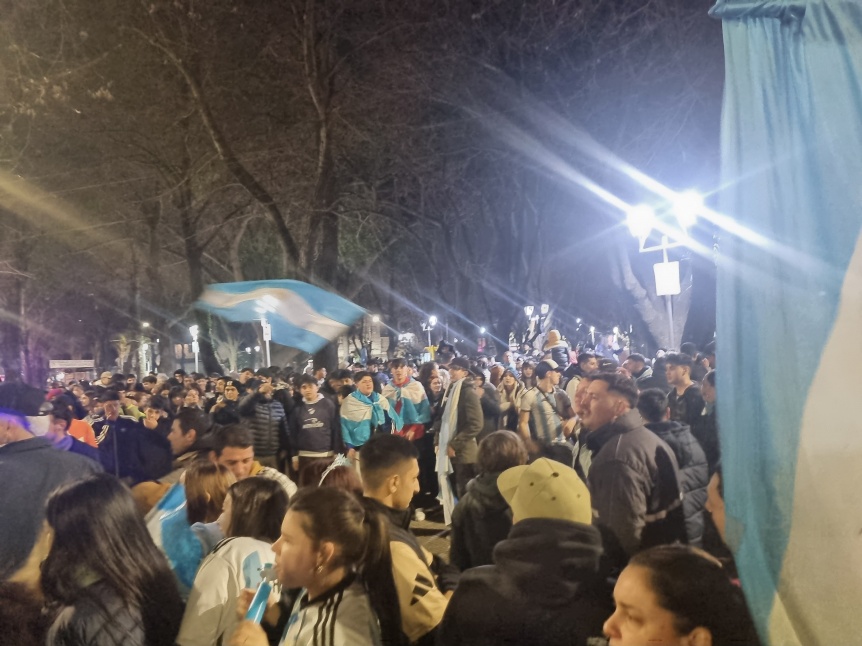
[210, 616]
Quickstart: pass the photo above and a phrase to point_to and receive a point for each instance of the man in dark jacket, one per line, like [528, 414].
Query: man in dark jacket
[461, 446]
[693, 470]
[30, 469]
[268, 423]
[482, 518]
[225, 410]
[633, 476]
[545, 588]
[127, 449]
[685, 400]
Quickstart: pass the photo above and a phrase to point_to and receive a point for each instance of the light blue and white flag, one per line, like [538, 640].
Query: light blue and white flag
[301, 315]
[790, 313]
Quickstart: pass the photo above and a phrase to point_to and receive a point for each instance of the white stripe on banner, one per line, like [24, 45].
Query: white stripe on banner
[823, 561]
[287, 304]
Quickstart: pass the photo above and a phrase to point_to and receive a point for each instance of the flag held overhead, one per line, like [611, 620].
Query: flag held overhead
[301, 316]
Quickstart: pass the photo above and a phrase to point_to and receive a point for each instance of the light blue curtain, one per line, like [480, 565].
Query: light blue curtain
[792, 178]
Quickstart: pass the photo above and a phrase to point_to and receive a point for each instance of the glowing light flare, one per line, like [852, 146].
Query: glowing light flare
[687, 206]
[545, 309]
[375, 319]
[528, 310]
[482, 330]
[640, 220]
[432, 321]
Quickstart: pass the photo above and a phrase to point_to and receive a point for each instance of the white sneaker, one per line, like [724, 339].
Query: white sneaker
[418, 515]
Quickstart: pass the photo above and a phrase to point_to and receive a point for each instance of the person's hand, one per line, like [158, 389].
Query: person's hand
[450, 451]
[243, 602]
[249, 634]
[410, 435]
[265, 389]
[294, 462]
[569, 426]
[351, 453]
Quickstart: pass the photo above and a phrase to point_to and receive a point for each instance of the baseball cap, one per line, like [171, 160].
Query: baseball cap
[545, 367]
[460, 362]
[546, 489]
[26, 403]
[106, 375]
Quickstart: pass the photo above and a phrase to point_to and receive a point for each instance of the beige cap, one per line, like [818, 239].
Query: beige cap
[105, 374]
[546, 489]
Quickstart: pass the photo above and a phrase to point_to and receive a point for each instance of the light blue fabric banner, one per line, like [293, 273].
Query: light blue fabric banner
[301, 315]
[789, 313]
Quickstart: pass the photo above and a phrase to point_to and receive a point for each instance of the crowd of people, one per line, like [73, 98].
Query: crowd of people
[582, 491]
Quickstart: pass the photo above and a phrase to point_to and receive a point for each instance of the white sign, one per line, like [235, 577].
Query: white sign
[196, 348]
[267, 331]
[666, 278]
[60, 364]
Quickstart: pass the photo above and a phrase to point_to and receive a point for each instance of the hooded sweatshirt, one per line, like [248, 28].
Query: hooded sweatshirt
[693, 474]
[544, 589]
[480, 520]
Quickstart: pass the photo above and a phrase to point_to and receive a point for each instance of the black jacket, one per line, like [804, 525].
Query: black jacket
[481, 519]
[229, 414]
[705, 430]
[267, 422]
[131, 451]
[29, 471]
[490, 403]
[687, 408]
[544, 589]
[693, 475]
[634, 486]
[100, 618]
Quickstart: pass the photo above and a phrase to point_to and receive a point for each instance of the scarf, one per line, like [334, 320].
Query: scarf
[444, 463]
[361, 415]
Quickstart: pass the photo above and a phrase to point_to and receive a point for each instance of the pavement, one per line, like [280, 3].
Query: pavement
[432, 533]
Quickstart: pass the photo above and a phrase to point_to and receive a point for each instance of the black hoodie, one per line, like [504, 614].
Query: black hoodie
[481, 519]
[544, 589]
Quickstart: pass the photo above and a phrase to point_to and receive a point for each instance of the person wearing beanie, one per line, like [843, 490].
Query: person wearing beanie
[545, 587]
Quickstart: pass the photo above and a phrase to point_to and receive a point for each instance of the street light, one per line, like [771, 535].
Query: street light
[248, 349]
[427, 326]
[257, 348]
[593, 334]
[545, 309]
[145, 324]
[375, 319]
[482, 330]
[641, 219]
[528, 310]
[193, 331]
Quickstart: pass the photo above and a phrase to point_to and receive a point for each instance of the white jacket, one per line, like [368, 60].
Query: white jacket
[210, 617]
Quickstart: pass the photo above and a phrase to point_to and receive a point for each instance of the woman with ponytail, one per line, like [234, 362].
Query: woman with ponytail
[337, 551]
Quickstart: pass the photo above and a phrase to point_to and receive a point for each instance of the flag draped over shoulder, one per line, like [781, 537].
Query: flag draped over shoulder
[415, 408]
[301, 315]
[790, 312]
[361, 415]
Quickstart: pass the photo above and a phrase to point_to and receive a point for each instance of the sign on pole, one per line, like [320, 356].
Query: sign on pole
[666, 278]
[60, 364]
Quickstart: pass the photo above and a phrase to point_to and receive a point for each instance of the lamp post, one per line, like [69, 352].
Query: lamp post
[641, 220]
[193, 331]
[428, 325]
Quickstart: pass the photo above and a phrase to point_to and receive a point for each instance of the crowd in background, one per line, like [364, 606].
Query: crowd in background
[582, 491]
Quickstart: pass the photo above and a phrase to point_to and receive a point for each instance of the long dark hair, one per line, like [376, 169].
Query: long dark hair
[337, 516]
[98, 529]
[697, 590]
[258, 506]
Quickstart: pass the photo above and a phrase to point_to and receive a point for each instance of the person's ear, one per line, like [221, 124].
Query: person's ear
[212, 457]
[392, 483]
[193, 436]
[700, 636]
[325, 554]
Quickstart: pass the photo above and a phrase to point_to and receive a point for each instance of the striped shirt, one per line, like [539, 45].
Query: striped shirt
[340, 617]
[546, 423]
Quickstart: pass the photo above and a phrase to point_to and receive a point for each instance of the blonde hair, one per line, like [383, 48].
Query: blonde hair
[206, 486]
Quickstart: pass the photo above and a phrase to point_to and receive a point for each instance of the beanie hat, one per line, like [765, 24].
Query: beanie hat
[546, 489]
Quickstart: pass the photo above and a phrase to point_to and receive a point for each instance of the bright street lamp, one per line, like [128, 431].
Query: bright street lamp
[432, 321]
[528, 310]
[375, 319]
[257, 348]
[640, 220]
[145, 324]
[248, 349]
[482, 330]
[545, 309]
[686, 207]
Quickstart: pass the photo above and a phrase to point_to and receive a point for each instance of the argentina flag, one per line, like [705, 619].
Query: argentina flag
[790, 313]
[301, 315]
